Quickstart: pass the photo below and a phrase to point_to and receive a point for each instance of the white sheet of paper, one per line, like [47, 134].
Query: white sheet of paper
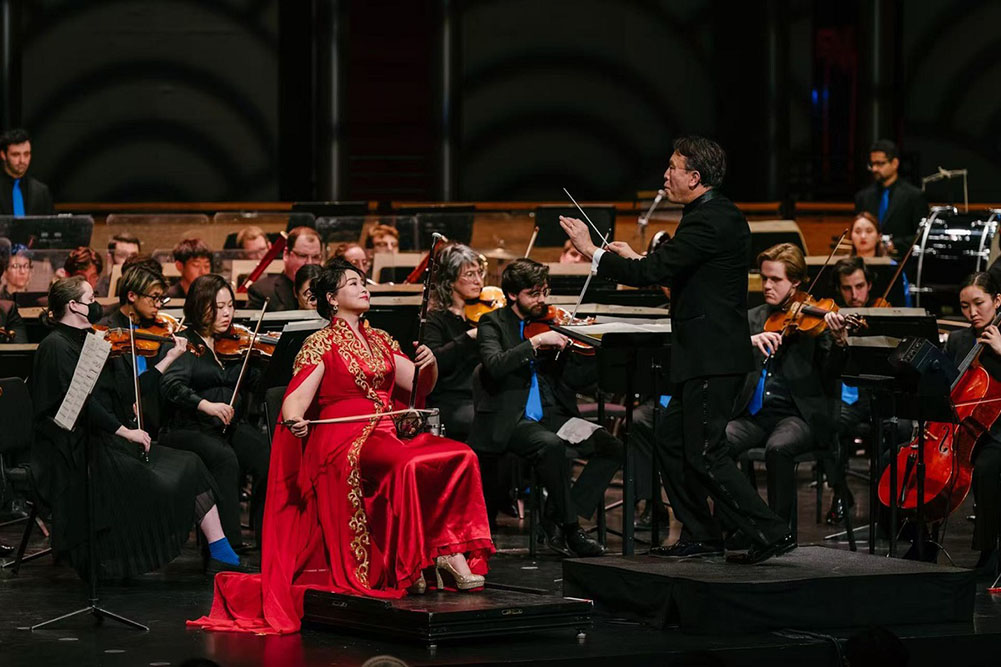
[577, 430]
[88, 367]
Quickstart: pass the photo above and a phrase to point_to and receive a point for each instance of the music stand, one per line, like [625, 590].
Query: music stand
[294, 334]
[621, 355]
[913, 379]
[93, 602]
[340, 229]
[48, 232]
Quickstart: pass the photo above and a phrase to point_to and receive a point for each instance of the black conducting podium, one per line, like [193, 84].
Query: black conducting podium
[633, 359]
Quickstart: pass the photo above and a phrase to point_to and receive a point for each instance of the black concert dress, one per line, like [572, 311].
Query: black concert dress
[144, 511]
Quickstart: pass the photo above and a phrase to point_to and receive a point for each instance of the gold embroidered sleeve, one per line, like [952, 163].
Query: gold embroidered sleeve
[313, 349]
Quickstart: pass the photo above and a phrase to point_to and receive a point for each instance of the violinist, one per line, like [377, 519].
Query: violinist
[452, 338]
[144, 510]
[790, 401]
[207, 419]
[979, 300]
[141, 294]
[528, 406]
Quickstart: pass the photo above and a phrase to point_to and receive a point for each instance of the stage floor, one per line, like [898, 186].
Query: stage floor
[164, 600]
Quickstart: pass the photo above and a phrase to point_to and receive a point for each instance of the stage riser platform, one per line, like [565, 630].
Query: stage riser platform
[813, 588]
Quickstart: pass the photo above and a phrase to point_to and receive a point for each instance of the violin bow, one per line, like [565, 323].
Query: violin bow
[531, 241]
[896, 275]
[143, 454]
[246, 358]
[604, 244]
[359, 418]
[827, 261]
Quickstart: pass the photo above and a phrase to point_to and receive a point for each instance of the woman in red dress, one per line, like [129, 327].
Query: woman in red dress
[350, 507]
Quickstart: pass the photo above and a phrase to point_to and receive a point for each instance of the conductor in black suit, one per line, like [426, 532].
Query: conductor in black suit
[898, 205]
[21, 194]
[705, 265]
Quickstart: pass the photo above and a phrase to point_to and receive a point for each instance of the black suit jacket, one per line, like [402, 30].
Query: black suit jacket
[907, 208]
[505, 377]
[278, 287]
[705, 265]
[37, 198]
[811, 368]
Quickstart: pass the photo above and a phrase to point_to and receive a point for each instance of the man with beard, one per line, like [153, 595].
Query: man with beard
[21, 194]
[896, 204]
[527, 406]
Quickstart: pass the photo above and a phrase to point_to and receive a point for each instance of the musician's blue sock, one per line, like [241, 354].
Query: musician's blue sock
[222, 551]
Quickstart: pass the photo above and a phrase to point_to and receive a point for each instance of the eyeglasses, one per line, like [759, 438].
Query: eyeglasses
[537, 293]
[158, 299]
[878, 163]
[313, 259]
[309, 296]
[20, 267]
[472, 274]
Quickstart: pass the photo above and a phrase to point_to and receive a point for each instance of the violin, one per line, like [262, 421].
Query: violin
[805, 314]
[491, 298]
[238, 339]
[559, 317]
[147, 339]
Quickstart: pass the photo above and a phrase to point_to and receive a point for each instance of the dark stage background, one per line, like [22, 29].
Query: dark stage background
[260, 100]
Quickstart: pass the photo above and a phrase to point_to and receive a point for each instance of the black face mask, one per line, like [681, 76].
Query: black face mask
[94, 312]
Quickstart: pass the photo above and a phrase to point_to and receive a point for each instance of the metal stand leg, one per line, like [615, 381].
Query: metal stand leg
[92, 608]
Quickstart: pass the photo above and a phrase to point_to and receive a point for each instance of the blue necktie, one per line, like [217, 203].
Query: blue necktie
[17, 198]
[849, 394]
[140, 361]
[533, 408]
[884, 203]
[759, 394]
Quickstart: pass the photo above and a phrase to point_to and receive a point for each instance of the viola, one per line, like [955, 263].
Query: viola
[238, 339]
[948, 448]
[491, 298]
[805, 314]
[559, 317]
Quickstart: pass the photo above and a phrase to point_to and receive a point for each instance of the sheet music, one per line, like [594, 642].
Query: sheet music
[88, 367]
[598, 330]
[873, 341]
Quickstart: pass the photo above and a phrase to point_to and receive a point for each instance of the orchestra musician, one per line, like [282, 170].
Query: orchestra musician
[206, 417]
[528, 406]
[790, 401]
[355, 508]
[452, 338]
[705, 265]
[979, 300]
[895, 205]
[302, 247]
[144, 510]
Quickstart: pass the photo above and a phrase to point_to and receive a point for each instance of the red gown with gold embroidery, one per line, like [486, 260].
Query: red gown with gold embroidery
[352, 508]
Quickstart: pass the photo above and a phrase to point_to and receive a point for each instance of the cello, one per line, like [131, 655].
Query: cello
[948, 448]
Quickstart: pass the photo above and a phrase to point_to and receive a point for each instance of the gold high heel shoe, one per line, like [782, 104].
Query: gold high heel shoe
[419, 587]
[462, 582]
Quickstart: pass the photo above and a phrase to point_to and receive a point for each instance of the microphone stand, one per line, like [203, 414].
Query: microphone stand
[644, 220]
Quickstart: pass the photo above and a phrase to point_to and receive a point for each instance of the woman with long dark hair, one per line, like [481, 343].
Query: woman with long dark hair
[352, 506]
[199, 390]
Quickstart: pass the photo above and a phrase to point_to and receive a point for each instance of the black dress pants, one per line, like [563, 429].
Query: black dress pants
[241, 450]
[695, 461]
[550, 455]
[987, 493]
[784, 437]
